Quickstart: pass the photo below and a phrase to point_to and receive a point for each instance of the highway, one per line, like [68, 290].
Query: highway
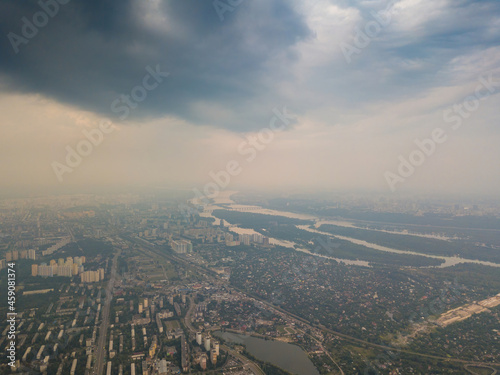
[103, 330]
[246, 362]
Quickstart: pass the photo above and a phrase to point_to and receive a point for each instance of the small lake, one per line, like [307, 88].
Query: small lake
[287, 356]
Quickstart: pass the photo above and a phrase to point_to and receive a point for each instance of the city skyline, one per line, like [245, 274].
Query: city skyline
[250, 187]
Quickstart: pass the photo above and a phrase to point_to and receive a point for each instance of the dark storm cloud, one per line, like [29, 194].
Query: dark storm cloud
[90, 52]
[232, 73]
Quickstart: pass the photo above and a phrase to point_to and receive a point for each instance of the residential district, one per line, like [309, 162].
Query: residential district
[127, 285]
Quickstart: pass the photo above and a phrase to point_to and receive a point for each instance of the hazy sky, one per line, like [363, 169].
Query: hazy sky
[363, 79]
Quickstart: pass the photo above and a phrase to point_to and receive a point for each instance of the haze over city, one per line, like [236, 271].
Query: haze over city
[363, 81]
[249, 187]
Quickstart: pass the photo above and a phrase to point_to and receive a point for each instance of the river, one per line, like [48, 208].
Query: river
[447, 261]
[277, 242]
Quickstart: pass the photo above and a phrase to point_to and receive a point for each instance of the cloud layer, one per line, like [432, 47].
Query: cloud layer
[412, 60]
[91, 52]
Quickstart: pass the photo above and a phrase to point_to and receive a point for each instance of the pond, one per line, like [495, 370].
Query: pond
[287, 356]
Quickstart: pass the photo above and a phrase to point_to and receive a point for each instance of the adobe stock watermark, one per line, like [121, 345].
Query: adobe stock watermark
[454, 115]
[223, 6]
[125, 103]
[74, 156]
[121, 106]
[40, 19]
[448, 295]
[310, 262]
[306, 267]
[327, 247]
[362, 38]
[249, 148]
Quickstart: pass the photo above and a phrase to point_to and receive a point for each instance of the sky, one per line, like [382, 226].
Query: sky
[391, 96]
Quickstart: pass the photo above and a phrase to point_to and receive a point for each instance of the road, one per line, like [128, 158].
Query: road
[100, 352]
[246, 362]
[342, 336]
[187, 318]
